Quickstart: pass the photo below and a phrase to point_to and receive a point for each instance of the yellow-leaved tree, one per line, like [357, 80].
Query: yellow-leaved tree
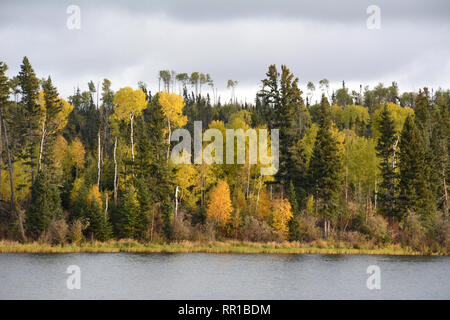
[172, 106]
[76, 155]
[219, 204]
[130, 104]
[282, 214]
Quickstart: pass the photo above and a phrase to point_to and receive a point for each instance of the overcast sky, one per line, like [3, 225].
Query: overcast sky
[129, 41]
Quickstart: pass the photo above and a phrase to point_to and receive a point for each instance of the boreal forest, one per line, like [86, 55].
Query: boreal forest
[364, 168]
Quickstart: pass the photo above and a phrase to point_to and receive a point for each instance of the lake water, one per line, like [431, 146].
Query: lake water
[222, 276]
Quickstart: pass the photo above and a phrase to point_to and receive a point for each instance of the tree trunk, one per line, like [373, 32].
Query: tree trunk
[98, 161]
[445, 192]
[394, 159]
[131, 136]
[115, 172]
[153, 222]
[41, 147]
[168, 142]
[106, 204]
[176, 207]
[248, 180]
[11, 181]
[375, 196]
[257, 196]
[1, 151]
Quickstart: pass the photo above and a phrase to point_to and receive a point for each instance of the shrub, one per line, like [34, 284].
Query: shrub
[57, 231]
[413, 231]
[182, 229]
[308, 230]
[376, 227]
[353, 238]
[256, 231]
[76, 231]
[205, 232]
[437, 230]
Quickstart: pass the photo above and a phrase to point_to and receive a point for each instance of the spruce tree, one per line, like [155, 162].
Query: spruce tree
[49, 126]
[440, 144]
[282, 94]
[129, 209]
[293, 223]
[99, 223]
[44, 205]
[414, 189]
[326, 166]
[385, 150]
[28, 127]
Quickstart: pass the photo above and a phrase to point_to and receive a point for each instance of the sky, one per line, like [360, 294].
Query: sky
[130, 41]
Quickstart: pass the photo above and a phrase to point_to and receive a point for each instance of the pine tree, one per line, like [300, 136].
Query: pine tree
[45, 204]
[430, 131]
[282, 94]
[130, 213]
[152, 147]
[293, 223]
[385, 150]
[49, 124]
[440, 143]
[143, 219]
[414, 189]
[99, 223]
[28, 127]
[326, 167]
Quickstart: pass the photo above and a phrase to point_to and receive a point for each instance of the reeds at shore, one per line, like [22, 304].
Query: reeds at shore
[133, 246]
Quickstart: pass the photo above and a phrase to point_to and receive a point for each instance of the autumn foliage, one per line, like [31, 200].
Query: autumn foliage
[219, 204]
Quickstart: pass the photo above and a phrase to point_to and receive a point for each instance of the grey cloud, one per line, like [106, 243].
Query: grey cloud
[128, 41]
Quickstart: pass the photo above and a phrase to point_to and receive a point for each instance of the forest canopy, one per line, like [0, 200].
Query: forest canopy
[367, 166]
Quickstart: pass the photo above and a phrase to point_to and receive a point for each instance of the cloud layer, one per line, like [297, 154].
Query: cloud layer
[129, 41]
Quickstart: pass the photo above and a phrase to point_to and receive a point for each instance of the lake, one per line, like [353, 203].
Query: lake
[222, 276]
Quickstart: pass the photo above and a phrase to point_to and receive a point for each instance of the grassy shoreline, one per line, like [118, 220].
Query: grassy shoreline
[131, 246]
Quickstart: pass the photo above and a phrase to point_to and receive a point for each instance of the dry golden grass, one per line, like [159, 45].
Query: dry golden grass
[231, 246]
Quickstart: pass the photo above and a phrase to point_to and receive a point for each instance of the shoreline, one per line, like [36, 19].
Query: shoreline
[233, 247]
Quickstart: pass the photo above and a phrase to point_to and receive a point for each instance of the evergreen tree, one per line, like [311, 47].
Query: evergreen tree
[44, 205]
[414, 189]
[153, 152]
[293, 223]
[440, 144]
[4, 86]
[28, 124]
[143, 219]
[49, 123]
[130, 213]
[281, 93]
[326, 166]
[99, 223]
[385, 150]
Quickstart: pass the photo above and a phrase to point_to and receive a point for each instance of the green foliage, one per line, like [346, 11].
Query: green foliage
[386, 148]
[45, 204]
[326, 164]
[414, 189]
[372, 162]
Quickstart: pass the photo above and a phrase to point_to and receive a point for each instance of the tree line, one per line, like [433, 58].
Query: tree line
[359, 167]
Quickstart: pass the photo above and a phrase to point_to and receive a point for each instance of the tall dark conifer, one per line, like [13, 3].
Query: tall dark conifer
[387, 193]
[326, 167]
[415, 193]
[29, 89]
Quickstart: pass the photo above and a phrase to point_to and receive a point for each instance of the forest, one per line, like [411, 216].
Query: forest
[363, 168]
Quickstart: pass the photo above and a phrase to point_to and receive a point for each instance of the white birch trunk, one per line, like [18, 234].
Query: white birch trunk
[115, 171]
